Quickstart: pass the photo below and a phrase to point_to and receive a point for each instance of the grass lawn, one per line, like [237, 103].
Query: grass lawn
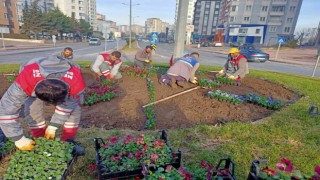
[289, 132]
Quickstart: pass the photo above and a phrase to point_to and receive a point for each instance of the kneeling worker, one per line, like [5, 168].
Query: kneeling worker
[106, 66]
[236, 66]
[182, 71]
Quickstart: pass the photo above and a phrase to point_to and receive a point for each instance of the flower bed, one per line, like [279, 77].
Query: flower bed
[208, 83]
[225, 96]
[103, 91]
[204, 171]
[50, 159]
[267, 102]
[259, 171]
[134, 71]
[225, 80]
[149, 112]
[127, 157]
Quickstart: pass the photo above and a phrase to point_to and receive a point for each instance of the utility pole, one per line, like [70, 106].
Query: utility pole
[181, 28]
[130, 24]
[318, 37]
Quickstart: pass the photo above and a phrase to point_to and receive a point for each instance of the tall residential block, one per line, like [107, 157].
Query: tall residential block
[257, 21]
[8, 17]
[206, 16]
[190, 11]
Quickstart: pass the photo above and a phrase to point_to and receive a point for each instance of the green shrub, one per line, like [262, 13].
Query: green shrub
[16, 36]
[291, 44]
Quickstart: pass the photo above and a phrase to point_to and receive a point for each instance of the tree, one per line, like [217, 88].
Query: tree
[58, 23]
[85, 27]
[111, 35]
[33, 20]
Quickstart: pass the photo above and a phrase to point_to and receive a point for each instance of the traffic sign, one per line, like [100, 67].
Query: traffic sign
[154, 38]
[281, 40]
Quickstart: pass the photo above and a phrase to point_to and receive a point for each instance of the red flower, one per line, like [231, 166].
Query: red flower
[317, 170]
[141, 135]
[138, 154]
[154, 156]
[161, 179]
[113, 140]
[269, 171]
[140, 141]
[92, 167]
[145, 147]
[158, 144]
[185, 173]
[129, 154]
[105, 146]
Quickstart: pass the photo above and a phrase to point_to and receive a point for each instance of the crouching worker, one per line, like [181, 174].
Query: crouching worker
[52, 80]
[236, 66]
[182, 71]
[106, 66]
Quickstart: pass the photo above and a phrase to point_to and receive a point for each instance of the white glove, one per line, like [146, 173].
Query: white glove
[50, 132]
[221, 72]
[25, 144]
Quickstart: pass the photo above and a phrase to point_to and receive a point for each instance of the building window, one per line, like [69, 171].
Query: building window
[216, 12]
[292, 8]
[287, 29]
[262, 19]
[73, 1]
[73, 7]
[257, 31]
[80, 8]
[264, 8]
[272, 29]
[6, 16]
[289, 20]
[278, 8]
[234, 8]
[243, 31]
[248, 8]
[217, 5]
[80, 2]
[246, 18]
[232, 18]
[232, 30]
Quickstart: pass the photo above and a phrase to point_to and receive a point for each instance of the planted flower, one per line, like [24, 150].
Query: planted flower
[104, 91]
[149, 112]
[225, 80]
[135, 71]
[208, 83]
[6, 146]
[48, 160]
[267, 102]
[134, 152]
[284, 170]
[225, 96]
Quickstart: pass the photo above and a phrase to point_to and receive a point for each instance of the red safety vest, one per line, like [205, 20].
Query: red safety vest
[30, 76]
[107, 60]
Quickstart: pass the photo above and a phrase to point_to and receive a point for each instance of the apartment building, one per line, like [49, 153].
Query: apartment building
[206, 14]
[257, 21]
[190, 11]
[8, 17]
[153, 25]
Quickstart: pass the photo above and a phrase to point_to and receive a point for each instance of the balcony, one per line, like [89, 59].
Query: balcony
[276, 13]
[275, 23]
[279, 2]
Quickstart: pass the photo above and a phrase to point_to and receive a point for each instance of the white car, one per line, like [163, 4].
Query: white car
[217, 44]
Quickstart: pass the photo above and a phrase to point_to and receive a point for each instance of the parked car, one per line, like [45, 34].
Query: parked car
[235, 44]
[253, 54]
[205, 44]
[94, 41]
[217, 44]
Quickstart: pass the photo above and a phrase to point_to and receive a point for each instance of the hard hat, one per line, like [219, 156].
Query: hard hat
[234, 50]
[185, 53]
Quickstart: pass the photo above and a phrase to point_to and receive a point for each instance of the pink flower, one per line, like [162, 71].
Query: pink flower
[129, 154]
[317, 170]
[168, 168]
[158, 144]
[154, 156]
[203, 164]
[113, 140]
[209, 176]
[138, 155]
[128, 139]
[105, 146]
[140, 141]
[141, 135]
[113, 158]
[145, 147]
[269, 171]
[285, 165]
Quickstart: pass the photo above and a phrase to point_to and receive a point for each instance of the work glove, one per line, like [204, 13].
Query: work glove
[25, 144]
[221, 72]
[50, 132]
[102, 77]
[195, 78]
[231, 77]
[194, 82]
[147, 61]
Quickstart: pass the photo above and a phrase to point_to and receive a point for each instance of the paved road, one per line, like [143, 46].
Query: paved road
[84, 52]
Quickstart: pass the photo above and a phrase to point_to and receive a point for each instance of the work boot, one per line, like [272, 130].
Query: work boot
[160, 82]
[77, 150]
[172, 83]
[183, 84]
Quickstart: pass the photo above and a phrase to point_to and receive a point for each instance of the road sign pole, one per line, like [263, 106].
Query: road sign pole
[117, 43]
[3, 45]
[278, 51]
[315, 67]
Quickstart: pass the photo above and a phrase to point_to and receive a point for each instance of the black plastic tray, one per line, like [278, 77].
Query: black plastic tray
[228, 164]
[102, 171]
[70, 166]
[255, 169]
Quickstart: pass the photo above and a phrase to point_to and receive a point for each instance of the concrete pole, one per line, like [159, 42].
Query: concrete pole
[3, 45]
[130, 23]
[181, 28]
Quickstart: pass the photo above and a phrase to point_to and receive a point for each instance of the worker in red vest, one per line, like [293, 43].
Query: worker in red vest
[54, 80]
[236, 66]
[106, 66]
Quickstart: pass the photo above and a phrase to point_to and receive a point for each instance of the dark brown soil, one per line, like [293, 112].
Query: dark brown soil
[193, 108]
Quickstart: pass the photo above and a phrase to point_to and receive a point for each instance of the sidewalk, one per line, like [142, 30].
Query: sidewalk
[302, 56]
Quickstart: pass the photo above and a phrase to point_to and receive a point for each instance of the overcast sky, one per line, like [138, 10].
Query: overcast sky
[165, 10]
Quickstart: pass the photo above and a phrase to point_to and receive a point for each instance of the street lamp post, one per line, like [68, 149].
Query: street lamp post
[130, 20]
